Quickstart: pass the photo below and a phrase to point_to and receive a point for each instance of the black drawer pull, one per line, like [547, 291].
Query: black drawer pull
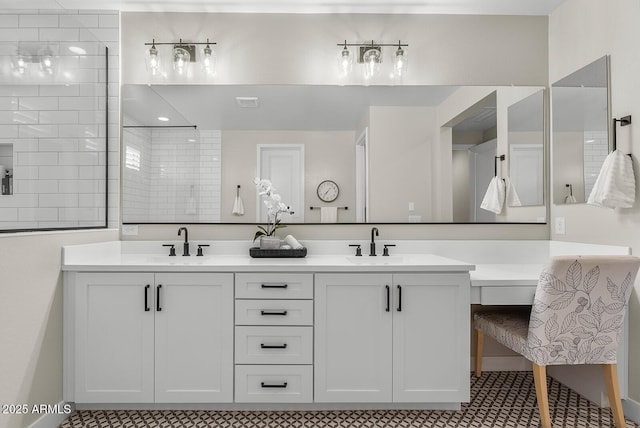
[399, 298]
[158, 307]
[388, 298]
[146, 298]
[282, 313]
[273, 385]
[274, 285]
[283, 346]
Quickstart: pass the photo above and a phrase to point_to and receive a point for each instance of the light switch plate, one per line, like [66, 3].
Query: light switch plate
[559, 226]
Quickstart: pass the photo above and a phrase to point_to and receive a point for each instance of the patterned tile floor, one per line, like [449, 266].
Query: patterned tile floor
[498, 399]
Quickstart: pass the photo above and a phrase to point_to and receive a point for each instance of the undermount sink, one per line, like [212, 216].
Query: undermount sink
[377, 260]
[179, 260]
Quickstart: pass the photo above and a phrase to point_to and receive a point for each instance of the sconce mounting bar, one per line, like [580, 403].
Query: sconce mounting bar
[181, 43]
[373, 44]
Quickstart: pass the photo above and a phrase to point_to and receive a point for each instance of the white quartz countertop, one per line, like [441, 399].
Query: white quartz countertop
[244, 263]
[506, 274]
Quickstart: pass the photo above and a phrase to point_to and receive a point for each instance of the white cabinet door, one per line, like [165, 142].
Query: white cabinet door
[114, 338]
[352, 338]
[431, 338]
[194, 337]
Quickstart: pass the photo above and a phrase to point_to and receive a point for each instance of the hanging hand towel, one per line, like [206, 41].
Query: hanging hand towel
[328, 214]
[570, 199]
[615, 186]
[238, 205]
[511, 196]
[494, 197]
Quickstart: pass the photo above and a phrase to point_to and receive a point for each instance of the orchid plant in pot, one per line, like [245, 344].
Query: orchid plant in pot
[275, 209]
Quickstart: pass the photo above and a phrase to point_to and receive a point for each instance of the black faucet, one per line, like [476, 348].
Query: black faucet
[185, 251]
[372, 245]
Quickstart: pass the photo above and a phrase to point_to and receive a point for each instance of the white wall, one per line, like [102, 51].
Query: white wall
[581, 31]
[329, 155]
[301, 49]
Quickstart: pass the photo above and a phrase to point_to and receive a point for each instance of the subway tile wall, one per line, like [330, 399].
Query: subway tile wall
[171, 175]
[55, 125]
[596, 148]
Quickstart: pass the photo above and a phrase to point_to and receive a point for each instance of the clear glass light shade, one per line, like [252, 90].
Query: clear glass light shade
[371, 61]
[20, 64]
[181, 59]
[153, 61]
[208, 61]
[46, 62]
[345, 62]
[400, 62]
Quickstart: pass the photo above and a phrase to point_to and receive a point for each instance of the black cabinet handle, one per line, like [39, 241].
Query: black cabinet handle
[399, 298]
[283, 346]
[146, 298]
[273, 385]
[283, 313]
[388, 298]
[274, 285]
[158, 307]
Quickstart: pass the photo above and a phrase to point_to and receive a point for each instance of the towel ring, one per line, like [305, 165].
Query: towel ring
[624, 121]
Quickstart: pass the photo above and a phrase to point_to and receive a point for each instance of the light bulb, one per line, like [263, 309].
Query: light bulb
[20, 64]
[400, 62]
[208, 60]
[154, 60]
[46, 62]
[345, 62]
[372, 61]
[181, 58]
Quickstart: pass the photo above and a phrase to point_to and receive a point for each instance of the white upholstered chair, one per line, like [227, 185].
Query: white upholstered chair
[577, 317]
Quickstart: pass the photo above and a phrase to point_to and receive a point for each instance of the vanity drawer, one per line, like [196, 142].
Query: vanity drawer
[274, 384]
[274, 312]
[274, 286]
[274, 345]
[507, 295]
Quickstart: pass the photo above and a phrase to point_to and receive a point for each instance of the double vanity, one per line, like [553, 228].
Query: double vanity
[331, 330]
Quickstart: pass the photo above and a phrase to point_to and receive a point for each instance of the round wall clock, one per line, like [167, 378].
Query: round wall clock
[328, 191]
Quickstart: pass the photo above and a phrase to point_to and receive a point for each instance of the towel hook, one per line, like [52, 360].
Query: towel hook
[624, 121]
[495, 164]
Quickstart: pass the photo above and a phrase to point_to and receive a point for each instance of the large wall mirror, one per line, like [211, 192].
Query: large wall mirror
[580, 131]
[397, 154]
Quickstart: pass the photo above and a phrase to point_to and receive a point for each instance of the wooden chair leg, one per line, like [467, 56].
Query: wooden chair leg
[479, 336]
[613, 391]
[540, 379]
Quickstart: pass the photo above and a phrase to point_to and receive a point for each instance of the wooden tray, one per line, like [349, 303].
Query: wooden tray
[257, 253]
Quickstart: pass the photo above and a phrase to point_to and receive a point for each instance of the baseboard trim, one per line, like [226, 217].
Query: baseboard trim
[631, 410]
[53, 417]
[513, 363]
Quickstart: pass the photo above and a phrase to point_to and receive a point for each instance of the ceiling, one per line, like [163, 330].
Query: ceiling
[280, 107]
[463, 7]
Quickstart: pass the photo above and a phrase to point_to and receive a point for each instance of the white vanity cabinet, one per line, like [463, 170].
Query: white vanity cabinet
[391, 337]
[145, 337]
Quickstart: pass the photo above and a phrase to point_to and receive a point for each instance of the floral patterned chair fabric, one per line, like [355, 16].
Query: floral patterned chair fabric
[577, 317]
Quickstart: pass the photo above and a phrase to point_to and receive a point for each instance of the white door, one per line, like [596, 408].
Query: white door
[430, 338]
[482, 160]
[362, 176]
[352, 338]
[283, 164]
[526, 169]
[114, 338]
[194, 338]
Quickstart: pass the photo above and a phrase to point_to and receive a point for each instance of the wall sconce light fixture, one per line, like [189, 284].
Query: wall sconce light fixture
[370, 56]
[182, 55]
[32, 60]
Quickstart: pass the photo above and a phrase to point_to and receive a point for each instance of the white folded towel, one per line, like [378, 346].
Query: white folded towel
[238, 205]
[615, 186]
[292, 242]
[328, 214]
[494, 197]
[511, 196]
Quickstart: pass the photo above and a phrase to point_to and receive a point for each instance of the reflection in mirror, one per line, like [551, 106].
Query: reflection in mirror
[386, 148]
[580, 131]
[526, 148]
